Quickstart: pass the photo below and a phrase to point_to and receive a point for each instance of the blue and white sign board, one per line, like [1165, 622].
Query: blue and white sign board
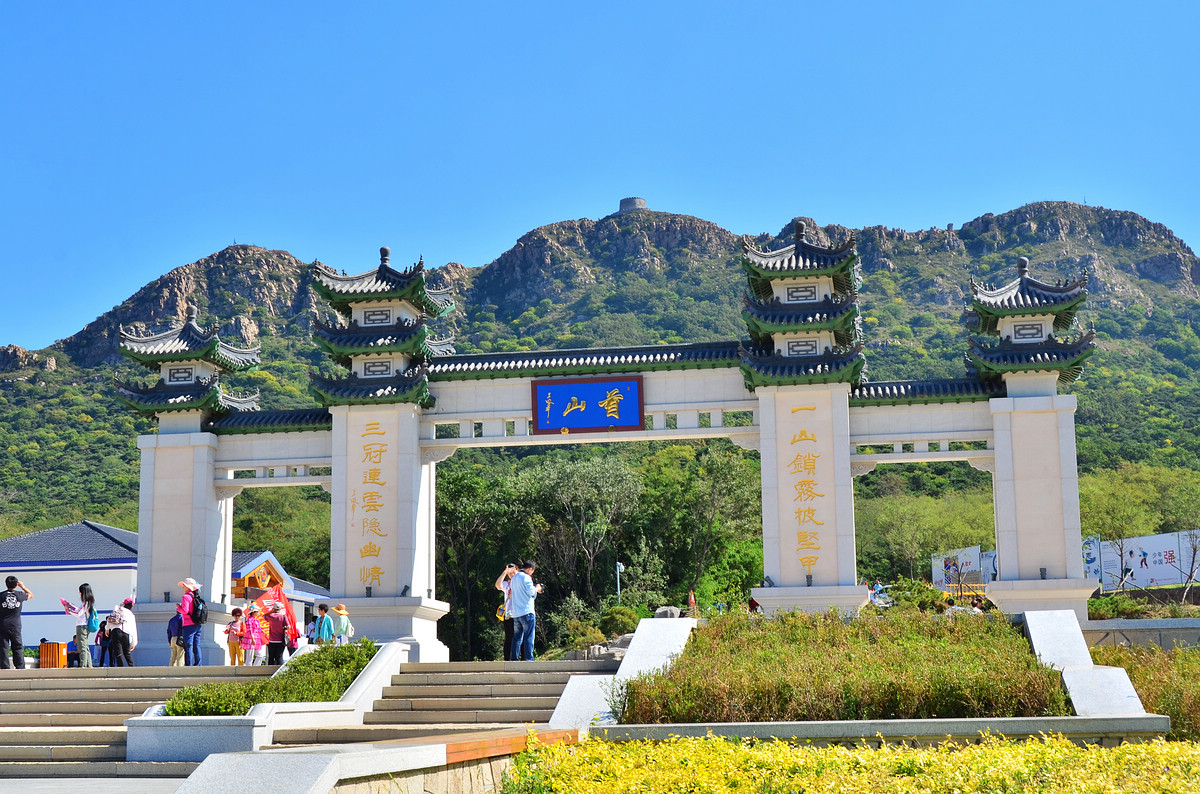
[588, 405]
[1151, 560]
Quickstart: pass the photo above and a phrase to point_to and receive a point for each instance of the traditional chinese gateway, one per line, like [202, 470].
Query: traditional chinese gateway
[793, 390]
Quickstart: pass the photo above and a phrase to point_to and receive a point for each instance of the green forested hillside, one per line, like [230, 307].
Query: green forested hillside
[671, 514]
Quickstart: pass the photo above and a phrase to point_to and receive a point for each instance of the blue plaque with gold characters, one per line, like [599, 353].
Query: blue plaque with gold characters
[587, 405]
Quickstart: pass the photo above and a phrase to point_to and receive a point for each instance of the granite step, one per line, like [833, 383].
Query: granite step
[62, 752]
[474, 690]
[122, 695]
[477, 678]
[382, 732]
[52, 719]
[500, 705]
[96, 769]
[519, 717]
[17, 736]
[80, 707]
[564, 666]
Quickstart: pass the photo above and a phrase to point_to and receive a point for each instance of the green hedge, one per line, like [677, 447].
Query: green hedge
[320, 675]
[1168, 682]
[796, 667]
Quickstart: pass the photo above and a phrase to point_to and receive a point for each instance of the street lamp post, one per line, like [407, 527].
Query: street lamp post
[620, 568]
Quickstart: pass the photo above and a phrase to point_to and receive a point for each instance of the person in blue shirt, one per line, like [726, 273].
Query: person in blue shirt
[324, 632]
[524, 591]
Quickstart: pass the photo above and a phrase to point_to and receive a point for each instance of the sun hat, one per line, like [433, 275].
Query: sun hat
[190, 584]
[277, 607]
[341, 609]
[253, 608]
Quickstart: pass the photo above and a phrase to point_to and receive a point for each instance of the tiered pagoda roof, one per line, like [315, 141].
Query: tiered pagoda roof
[802, 258]
[201, 395]
[405, 387]
[188, 342]
[403, 336]
[1026, 296]
[768, 318]
[832, 314]
[383, 283]
[761, 367]
[1066, 356]
[407, 337]
[248, 422]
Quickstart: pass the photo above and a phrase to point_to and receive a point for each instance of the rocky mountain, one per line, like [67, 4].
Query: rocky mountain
[647, 277]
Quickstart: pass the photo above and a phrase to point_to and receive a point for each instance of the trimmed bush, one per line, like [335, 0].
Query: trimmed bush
[618, 620]
[797, 667]
[1168, 682]
[321, 675]
[1053, 764]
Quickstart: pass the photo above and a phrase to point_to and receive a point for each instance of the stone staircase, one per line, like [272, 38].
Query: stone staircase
[427, 699]
[69, 722]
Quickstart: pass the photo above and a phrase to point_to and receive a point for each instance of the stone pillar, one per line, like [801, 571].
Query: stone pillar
[1036, 500]
[382, 535]
[808, 499]
[182, 532]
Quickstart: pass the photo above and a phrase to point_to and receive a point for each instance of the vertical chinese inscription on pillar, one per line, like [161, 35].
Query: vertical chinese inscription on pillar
[808, 493]
[369, 504]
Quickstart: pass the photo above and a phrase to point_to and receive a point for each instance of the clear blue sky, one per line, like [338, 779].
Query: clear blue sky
[137, 137]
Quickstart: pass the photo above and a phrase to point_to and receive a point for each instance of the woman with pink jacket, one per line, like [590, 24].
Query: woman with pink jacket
[254, 648]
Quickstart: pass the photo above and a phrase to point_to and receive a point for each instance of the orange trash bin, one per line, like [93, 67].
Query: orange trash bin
[52, 654]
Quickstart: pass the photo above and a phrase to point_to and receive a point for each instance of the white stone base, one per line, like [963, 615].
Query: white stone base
[409, 620]
[847, 599]
[1028, 595]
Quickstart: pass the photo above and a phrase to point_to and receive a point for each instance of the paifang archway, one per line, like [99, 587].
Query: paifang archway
[376, 438]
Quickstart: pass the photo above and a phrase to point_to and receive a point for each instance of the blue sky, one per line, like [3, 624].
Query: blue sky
[135, 138]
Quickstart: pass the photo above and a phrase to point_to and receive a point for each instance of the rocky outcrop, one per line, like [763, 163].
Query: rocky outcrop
[247, 290]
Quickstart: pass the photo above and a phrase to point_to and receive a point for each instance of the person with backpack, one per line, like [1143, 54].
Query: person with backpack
[195, 615]
[122, 634]
[343, 629]
[87, 622]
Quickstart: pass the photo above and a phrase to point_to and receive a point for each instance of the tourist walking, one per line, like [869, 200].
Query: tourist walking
[192, 655]
[175, 639]
[253, 646]
[504, 585]
[11, 601]
[233, 637]
[122, 634]
[524, 592]
[86, 623]
[277, 624]
[324, 633]
[343, 629]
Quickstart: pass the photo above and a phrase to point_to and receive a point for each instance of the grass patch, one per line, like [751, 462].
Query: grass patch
[717, 765]
[1168, 682]
[799, 667]
[320, 675]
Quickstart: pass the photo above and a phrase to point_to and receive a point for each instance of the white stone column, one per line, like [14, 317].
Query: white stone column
[1036, 501]
[182, 532]
[808, 499]
[382, 533]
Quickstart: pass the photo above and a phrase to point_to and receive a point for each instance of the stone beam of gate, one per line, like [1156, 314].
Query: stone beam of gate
[499, 412]
[921, 434]
[273, 460]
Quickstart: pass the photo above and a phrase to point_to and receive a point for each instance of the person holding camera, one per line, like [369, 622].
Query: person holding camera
[11, 601]
[524, 591]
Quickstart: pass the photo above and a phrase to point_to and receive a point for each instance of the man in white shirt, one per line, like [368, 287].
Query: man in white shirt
[523, 591]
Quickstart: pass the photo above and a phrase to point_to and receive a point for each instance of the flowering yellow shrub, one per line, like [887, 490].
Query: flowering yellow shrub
[716, 765]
